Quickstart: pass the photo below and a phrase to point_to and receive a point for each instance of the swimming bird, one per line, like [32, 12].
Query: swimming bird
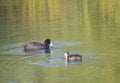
[29, 46]
[73, 57]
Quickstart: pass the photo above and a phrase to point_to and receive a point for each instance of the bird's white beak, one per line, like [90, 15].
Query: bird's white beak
[51, 45]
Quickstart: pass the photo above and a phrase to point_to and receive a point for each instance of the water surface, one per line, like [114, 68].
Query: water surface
[89, 28]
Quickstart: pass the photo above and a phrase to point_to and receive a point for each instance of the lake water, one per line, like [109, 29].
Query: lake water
[88, 28]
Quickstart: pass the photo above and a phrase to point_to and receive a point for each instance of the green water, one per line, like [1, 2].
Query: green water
[87, 27]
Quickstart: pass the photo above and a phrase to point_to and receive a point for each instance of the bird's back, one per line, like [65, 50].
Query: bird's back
[33, 46]
[75, 57]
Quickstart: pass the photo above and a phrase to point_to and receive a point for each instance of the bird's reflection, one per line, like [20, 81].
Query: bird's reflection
[39, 52]
[67, 62]
[48, 53]
[47, 50]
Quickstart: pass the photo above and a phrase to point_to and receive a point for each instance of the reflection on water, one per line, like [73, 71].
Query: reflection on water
[51, 59]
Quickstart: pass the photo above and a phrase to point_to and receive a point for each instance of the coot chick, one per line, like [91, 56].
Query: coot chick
[73, 57]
